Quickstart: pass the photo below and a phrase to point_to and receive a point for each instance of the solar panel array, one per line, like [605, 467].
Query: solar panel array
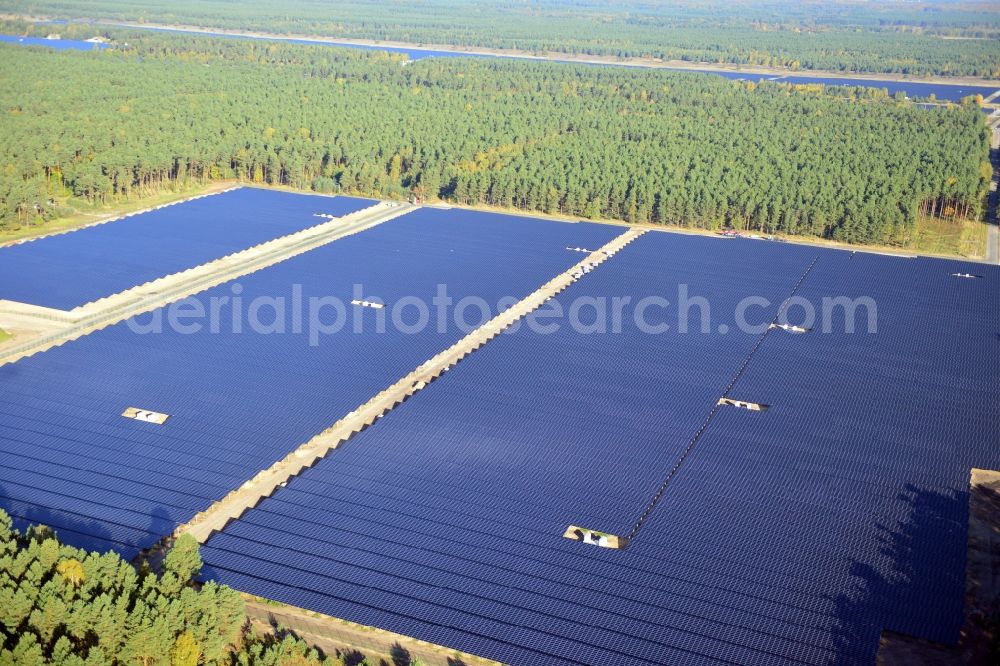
[788, 536]
[68, 270]
[239, 401]
[869, 445]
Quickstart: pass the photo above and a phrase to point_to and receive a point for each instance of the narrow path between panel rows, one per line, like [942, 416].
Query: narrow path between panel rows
[266, 482]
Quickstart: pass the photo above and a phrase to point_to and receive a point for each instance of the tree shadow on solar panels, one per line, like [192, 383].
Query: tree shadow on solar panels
[915, 583]
[71, 529]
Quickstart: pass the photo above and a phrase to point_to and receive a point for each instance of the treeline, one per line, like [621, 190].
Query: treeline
[643, 146]
[894, 37]
[67, 607]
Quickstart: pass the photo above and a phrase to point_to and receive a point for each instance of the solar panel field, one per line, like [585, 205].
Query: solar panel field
[238, 401]
[794, 532]
[69, 270]
[791, 536]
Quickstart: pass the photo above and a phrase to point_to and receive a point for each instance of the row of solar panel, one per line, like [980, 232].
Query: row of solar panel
[787, 536]
[508, 482]
[237, 402]
[888, 451]
[71, 269]
[480, 494]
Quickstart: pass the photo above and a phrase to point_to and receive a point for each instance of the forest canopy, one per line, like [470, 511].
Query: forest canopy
[638, 145]
[64, 606]
[891, 36]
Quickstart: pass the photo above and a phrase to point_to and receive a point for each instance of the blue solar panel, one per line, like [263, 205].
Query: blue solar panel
[68, 270]
[790, 536]
[239, 401]
[871, 437]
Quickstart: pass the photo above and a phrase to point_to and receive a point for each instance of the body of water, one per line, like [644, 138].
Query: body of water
[943, 91]
[917, 89]
[58, 44]
[412, 53]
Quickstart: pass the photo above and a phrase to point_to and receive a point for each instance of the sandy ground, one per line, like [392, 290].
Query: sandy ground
[993, 244]
[993, 208]
[335, 636]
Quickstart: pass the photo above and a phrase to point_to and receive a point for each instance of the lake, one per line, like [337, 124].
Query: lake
[919, 89]
[943, 91]
[58, 44]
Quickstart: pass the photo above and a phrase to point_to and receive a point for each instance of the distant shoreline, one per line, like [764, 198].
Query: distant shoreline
[550, 56]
